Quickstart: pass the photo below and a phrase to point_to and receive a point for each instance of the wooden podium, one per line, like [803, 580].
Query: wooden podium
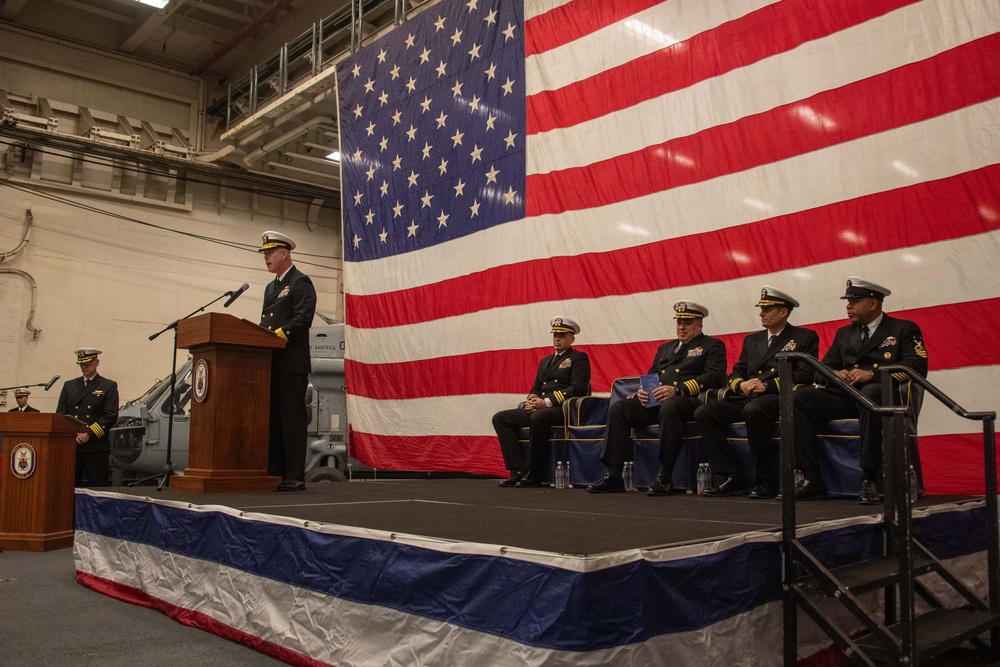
[230, 410]
[36, 491]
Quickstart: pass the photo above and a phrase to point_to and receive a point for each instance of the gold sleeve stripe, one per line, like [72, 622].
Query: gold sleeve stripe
[777, 384]
[97, 430]
[692, 387]
[558, 395]
[902, 377]
[734, 384]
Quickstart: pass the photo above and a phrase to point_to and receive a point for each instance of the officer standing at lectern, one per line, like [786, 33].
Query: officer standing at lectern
[289, 306]
[92, 399]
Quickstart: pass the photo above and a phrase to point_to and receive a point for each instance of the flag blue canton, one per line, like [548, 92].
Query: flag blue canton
[432, 129]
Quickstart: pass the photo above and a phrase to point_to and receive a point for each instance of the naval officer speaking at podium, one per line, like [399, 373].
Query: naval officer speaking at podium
[289, 306]
[93, 400]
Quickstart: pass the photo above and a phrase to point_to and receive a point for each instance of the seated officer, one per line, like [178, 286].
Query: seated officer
[21, 396]
[684, 366]
[871, 339]
[752, 397]
[561, 375]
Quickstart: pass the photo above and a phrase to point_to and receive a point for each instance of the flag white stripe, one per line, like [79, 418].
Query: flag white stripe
[470, 415]
[973, 388]
[909, 35]
[943, 146]
[639, 35]
[533, 8]
[646, 316]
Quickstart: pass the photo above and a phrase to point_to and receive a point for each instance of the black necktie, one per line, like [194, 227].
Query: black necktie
[864, 334]
[770, 340]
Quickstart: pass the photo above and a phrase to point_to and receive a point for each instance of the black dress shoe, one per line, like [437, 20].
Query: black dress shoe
[609, 484]
[761, 492]
[515, 477]
[660, 487]
[291, 485]
[529, 480]
[868, 494]
[809, 490]
[728, 487]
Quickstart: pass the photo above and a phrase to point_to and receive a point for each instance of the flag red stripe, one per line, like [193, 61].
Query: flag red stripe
[574, 20]
[954, 464]
[919, 214]
[902, 96]
[512, 371]
[766, 32]
[478, 454]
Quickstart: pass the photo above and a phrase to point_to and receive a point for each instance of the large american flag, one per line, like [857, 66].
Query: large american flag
[506, 162]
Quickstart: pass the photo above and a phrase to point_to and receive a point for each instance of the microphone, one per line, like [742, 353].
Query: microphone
[48, 385]
[235, 295]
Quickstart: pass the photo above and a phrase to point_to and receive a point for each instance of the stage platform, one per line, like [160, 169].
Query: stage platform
[460, 571]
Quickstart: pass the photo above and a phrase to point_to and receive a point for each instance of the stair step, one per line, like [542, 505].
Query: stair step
[872, 574]
[936, 631]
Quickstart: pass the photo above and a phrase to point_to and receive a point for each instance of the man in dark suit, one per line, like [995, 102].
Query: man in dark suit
[21, 396]
[93, 400]
[289, 306]
[684, 367]
[871, 339]
[562, 375]
[752, 397]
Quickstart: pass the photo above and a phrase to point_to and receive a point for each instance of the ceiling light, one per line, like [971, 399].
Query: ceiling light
[159, 4]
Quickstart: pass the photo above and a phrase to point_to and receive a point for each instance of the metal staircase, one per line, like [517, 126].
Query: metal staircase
[900, 635]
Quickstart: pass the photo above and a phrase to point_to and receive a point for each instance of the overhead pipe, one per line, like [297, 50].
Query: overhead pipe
[298, 131]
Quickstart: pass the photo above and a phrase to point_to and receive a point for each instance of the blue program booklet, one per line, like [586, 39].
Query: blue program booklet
[649, 383]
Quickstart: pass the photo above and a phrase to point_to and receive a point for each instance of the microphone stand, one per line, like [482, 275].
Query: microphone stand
[168, 469]
[24, 386]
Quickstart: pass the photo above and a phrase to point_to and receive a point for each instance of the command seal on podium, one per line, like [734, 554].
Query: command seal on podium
[200, 380]
[22, 460]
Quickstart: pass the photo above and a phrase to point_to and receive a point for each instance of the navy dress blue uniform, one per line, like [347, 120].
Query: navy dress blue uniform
[95, 403]
[288, 309]
[895, 341]
[688, 368]
[759, 412]
[560, 377]
[22, 393]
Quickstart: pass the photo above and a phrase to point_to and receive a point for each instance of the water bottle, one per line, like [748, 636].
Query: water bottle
[628, 475]
[704, 478]
[567, 484]
[560, 476]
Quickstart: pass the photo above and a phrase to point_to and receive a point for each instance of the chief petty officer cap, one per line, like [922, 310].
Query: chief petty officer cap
[689, 310]
[269, 240]
[84, 355]
[564, 325]
[772, 297]
[859, 288]
[21, 392]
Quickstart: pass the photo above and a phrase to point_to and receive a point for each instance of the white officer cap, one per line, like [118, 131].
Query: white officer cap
[689, 310]
[770, 296]
[84, 355]
[564, 325]
[269, 240]
[859, 288]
